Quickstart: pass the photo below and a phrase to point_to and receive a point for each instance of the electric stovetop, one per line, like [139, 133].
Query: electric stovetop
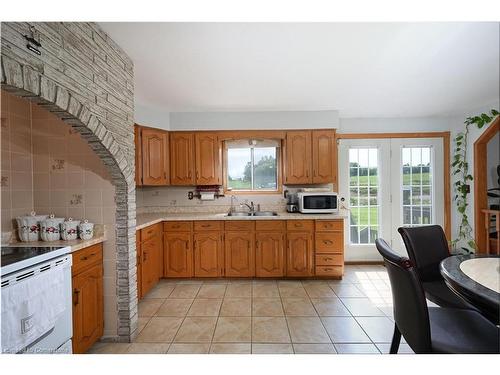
[14, 258]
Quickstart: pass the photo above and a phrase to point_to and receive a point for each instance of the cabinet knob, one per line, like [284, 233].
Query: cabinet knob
[327, 242]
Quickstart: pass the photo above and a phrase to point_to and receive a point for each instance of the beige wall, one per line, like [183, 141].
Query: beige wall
[47, 167]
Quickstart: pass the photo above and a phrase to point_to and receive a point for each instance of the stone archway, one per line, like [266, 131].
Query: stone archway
[27, 77]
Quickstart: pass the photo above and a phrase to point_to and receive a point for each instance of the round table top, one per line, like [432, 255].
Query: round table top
[476, 275]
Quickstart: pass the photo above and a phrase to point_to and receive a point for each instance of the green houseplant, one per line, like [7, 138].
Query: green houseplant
[460, 169]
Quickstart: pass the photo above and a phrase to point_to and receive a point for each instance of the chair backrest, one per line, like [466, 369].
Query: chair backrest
[427, 247]
[410, 307]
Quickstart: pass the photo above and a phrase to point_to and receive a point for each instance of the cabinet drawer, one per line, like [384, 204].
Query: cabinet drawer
[270, 225]
[239, 225]
[82, 259]
[151, 231]
[329, 242]
[329, 259]
[329, 225]
[177, 226]
[333, 271]
[207, 225]
[300, 225]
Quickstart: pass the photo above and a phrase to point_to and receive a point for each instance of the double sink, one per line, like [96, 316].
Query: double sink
[255, 213]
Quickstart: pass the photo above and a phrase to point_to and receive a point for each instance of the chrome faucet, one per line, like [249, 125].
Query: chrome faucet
[250, 206]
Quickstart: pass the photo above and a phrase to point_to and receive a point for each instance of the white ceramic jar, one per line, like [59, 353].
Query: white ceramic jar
[86, 230]
[28, 227]
[50, 228]
[69, 229]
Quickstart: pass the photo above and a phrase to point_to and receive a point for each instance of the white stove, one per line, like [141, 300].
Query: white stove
[36, 300]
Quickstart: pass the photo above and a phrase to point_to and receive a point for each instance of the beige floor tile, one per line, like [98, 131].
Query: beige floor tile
[356, 349]
[160, 291]
[267, 307]
[236, 307]
[141, 323]
[197, 348]
[272, 348]
[288, 291]
[149, 307]
[160, 330]
[212, 291]
[330, 307]
[319, 291]
[232, 329]
[344, 330]
[185, 291]
[265, 290]
[205, 307]
[109, 348]
[242, 348]
[308, 330]
[147, 348]
[175, 307]
[239, 290]
[314, 349]
[298, 307]
[196, 329]
[270, 330]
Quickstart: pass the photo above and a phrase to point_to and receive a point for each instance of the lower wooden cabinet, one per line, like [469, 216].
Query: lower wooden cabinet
[269, 254]
[239, 254]
[208, 254]
[150, 250]
[178, 254]
[329, 248]
[88, 303]
[299, 256]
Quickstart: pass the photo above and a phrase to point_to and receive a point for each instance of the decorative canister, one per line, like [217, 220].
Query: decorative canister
[28, 227]
[86, 230]
[69, 229]
[50, 228]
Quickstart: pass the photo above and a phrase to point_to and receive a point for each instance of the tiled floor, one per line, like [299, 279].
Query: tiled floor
[353, 315]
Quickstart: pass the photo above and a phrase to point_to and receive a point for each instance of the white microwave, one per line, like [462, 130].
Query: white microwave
[318, 202]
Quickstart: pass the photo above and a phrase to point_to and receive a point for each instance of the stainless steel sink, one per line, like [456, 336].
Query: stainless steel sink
[265, 213]
[239, 214]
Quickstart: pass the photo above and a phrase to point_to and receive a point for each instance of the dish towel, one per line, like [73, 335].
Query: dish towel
[30, 308]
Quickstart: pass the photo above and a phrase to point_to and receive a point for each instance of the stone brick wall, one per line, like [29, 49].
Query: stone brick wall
[84, 78]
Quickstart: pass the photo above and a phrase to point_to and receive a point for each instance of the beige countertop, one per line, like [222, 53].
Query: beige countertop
[145, 220]
[75, 244]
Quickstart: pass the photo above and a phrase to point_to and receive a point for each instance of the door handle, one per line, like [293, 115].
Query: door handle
[144, 256]
[76, 297]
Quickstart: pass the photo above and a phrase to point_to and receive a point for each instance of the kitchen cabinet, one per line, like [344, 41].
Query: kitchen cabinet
[329, 248]
[153, 154]
[151, 252]
[324, 156]
[138, 155]
[299, 251]
[182, 158]
[178, 254]
[310, 157]
[208, 254]
[138, 262]
[298, 157]
[269, 254]
[88, 301]
[208, 159]
[239, 251]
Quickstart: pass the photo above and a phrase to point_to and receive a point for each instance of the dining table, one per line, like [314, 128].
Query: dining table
[476, 279]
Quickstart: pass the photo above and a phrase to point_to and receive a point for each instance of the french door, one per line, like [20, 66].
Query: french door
[385, 184]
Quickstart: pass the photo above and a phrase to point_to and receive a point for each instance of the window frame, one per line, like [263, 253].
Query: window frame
[279, 166]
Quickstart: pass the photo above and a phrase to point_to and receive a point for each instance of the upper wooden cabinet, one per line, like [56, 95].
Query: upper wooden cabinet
[310, 157]
[324, 155]
[151, 156]
[182, 160]
[298, 158]
[208, 159]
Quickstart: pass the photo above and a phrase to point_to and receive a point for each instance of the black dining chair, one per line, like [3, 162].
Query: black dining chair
[434, 329]
[427, 247]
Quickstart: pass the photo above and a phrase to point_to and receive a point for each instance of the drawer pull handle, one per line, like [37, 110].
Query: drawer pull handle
[328, 269]
[298, 224]
[76, 297]
[328, 258]
[327, 242]
[87, 257]
[205, 225]
[175, 226]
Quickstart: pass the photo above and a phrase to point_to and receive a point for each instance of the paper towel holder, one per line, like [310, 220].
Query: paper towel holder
[205, 189]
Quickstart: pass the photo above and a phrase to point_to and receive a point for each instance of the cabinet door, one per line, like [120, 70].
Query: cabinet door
[269, 254]
[150, 258]
[87, 308]
[299, 257]
[154, 157]
[208, 155]
[138, 155]
[178, 255]
[139, 263]
[182, 158]
[298, 157]
[208, 254]
[323, 156]
[239, 254]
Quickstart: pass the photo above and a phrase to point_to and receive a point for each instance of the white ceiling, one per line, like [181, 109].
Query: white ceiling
[360, 69]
